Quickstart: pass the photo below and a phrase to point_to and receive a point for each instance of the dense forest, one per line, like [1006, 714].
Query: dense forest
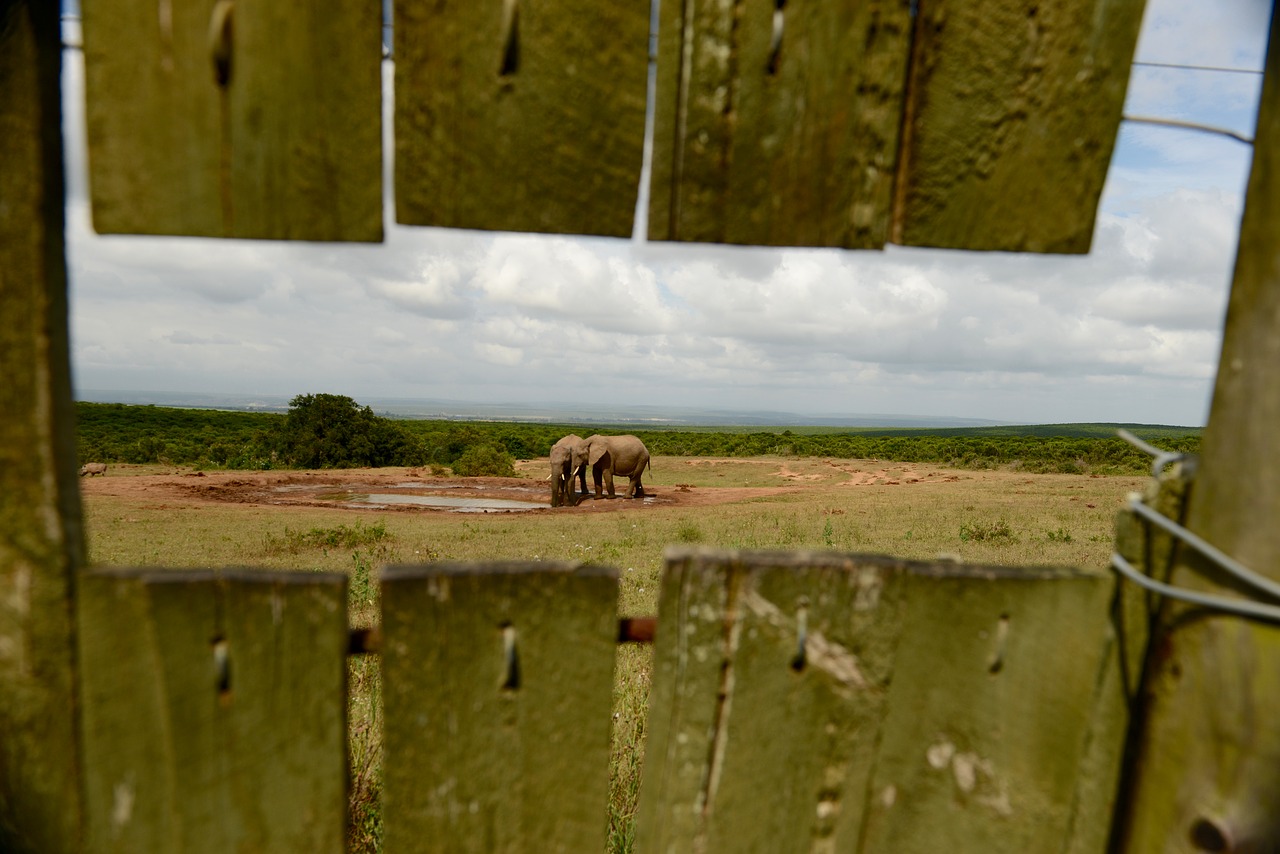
[333, 431]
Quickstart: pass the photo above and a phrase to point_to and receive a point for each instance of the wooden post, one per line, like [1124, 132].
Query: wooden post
[1208, 771]
[498, 682]
[41, 542]
[823, 702]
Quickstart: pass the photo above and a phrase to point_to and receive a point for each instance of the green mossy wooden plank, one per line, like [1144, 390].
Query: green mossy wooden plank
[41, 540]
[542, 131]
[1012, 117]
[748, 749]
[289, 148]
[214, 710]
[778, 141]
[1004, 725]
[936, 706]
[1208, 769]
[480, 756]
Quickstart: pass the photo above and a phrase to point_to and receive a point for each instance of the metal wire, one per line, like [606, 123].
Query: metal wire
[1162, 457]
[1174, 123]
[1215, 555]
[1180, 67]
[1222, 560]
[1238, 607]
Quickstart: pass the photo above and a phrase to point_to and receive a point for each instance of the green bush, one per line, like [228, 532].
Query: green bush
[988, 532]
[484, 461]
[689, 532]
[338, 537]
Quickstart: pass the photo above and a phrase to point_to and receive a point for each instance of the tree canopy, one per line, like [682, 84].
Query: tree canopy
[333, 431]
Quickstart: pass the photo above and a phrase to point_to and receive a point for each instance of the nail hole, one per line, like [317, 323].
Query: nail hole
[511, 658]
[511, 40]
[220, 33]
[775, 41]
[997, 656]
[222, 667]
[1207, 836]
[802, 636]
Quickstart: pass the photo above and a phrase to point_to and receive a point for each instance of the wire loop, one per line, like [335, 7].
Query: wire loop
[1257, 582]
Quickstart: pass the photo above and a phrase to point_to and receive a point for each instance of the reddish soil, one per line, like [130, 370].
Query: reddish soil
[330, 488]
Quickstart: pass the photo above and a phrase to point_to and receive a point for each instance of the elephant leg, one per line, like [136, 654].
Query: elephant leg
[608, 481]
[597, 474]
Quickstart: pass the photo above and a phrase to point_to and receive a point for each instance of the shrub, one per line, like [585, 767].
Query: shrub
[987, 532]
[340, 536]
[689, 532]
[484, 461]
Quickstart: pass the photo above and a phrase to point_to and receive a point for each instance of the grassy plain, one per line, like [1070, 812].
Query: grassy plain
[1004, 517]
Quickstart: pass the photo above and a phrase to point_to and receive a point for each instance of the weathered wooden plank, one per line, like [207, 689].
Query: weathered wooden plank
[1004, 722]
[469, 762]
[287, 147]
[750, 749]
[777, 123]
[1012, 117]
[41, 541]
[497, 682]
[520, 116]
[1208, 773]
[933, 707]
[214, 710]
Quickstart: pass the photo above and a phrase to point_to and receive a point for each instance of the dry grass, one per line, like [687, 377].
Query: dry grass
[997, 517]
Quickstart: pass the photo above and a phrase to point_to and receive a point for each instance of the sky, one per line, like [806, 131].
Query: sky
[1128, 333]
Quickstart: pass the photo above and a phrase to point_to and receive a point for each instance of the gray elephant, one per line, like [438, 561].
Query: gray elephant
[563, 471]
[625, 456]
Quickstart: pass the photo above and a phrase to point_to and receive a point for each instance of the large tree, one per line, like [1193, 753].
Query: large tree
[333, 431]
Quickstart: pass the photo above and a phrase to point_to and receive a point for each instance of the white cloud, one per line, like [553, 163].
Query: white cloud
[438, 289]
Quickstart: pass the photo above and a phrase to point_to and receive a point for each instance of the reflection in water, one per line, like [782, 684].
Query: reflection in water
[460, 505]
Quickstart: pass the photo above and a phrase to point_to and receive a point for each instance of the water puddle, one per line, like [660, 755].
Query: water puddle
[448, 502]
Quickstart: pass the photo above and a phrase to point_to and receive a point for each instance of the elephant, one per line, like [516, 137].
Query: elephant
[625, 456]
[562, 472]
[92, 469]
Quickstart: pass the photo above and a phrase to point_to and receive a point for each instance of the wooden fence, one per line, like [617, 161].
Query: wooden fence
[799, 702]
[813, 702]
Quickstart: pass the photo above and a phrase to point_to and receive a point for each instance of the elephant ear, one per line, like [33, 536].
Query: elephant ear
[596, 451]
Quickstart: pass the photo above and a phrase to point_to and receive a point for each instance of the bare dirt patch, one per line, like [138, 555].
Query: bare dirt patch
[350, 489]
[693, 482]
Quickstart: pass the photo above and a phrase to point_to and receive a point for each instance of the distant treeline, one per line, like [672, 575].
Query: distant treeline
[332, 431]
